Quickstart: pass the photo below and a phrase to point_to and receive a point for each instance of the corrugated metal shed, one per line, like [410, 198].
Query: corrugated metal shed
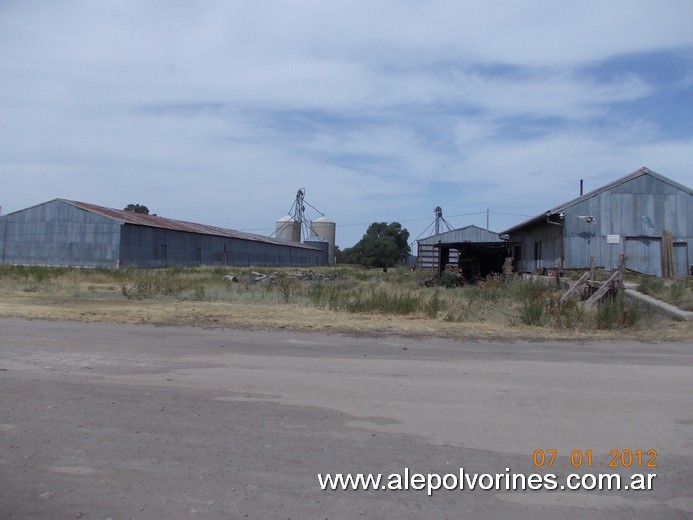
[627, 216]
[65, 232]
[428, 255]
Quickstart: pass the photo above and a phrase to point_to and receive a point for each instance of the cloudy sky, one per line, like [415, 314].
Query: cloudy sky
[218, 111]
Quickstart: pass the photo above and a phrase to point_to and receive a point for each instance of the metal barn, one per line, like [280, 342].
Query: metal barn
[629, 216]
[477, 252]
[64, 232]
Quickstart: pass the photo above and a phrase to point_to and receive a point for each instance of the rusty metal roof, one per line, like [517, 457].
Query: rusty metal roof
[139, 219]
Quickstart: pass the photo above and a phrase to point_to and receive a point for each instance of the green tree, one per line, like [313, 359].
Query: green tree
[382, 245]
[137, 208]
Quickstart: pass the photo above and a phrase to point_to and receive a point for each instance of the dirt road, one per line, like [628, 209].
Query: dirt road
[132, 421]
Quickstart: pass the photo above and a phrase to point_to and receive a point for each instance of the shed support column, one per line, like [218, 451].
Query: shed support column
[443, 258]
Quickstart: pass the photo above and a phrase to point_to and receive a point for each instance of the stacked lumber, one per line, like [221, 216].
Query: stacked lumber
[668, 264]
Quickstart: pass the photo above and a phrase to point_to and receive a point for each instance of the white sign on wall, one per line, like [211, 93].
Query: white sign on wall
[613, 239]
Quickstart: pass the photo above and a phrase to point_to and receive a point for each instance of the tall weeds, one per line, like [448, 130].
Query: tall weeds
[346, 289]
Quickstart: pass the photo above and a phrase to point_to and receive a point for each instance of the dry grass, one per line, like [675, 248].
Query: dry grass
[350, 304]
[676, 292]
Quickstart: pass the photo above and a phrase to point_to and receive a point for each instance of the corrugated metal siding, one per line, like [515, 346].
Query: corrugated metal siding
[644, 254]
[465, 234]
[636, 182]
[428, 255]
[638, 211]
[56, 233]
[143, 246]
[635, 212]
[62, 232]
[549, 251]
[681, 259]
[152, 221]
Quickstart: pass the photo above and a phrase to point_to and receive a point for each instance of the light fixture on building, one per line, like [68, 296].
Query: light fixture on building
[586, 218]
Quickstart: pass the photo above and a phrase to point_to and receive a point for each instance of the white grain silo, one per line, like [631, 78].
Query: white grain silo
[288, 228]
[325, 229]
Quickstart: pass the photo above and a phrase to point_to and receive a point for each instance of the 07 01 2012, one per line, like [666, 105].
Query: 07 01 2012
[617, 458]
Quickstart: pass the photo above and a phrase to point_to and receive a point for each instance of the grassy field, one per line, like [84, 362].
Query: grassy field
[341, 299]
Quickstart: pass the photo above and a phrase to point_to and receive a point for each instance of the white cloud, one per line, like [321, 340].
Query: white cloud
[218, 111]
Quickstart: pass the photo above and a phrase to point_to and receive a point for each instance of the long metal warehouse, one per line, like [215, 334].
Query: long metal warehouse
[65, 232]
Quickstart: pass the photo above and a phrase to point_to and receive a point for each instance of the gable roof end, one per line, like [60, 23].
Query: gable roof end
[561, 208]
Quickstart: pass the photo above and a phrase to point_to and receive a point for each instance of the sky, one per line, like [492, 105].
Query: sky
[217, 112]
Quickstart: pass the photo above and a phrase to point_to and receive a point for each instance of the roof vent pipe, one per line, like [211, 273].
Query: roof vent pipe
[581, 187]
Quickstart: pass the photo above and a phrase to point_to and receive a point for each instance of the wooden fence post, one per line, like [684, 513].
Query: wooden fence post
[591, 268]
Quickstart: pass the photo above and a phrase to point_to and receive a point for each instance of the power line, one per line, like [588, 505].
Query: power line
[510, 214]
[468, 214]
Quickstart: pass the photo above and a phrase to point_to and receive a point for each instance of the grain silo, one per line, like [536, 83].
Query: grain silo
[288, 228]
[325, 229]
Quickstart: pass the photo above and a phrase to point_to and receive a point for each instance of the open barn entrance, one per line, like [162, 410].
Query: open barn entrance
[475, 260]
